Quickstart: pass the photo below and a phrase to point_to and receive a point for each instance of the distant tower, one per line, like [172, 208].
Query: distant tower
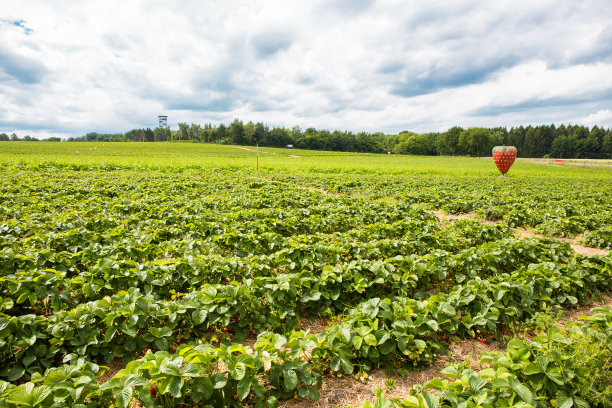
[163, 121]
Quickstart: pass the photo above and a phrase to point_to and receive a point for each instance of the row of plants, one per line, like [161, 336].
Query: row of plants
[552, 206]
[568, 367]
[257, 303]
[41, 286]
[379, 331]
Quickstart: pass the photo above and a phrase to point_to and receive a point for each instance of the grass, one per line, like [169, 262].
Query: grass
[271, 160]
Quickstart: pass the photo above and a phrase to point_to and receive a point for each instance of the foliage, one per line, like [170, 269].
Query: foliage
[169, 256]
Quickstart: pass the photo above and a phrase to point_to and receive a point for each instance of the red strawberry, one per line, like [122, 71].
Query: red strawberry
[504, 156]
[153, 391]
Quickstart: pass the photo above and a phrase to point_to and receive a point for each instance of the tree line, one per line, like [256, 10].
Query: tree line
[571, 141]
[27, 138]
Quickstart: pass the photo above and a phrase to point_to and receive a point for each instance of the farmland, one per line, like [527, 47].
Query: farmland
[199, 276]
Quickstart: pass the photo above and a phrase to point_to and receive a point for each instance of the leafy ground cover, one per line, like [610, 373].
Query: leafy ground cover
[199, 274]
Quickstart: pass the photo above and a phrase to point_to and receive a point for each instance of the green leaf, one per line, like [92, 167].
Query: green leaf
[580, 403]
[239, 371]
[347, 366]
[132, 380]
[129, 330]
[314, 394]
[124, 397]
[370, 339]
[198, 316]
[564, 400]
[521, 390]
[191, 370]
[259, 389]
[420, 344]
[272, 402]
[28, 395]
[433, 324]
[387, 347]
[244, 388]
[346, 333]
[357, 340]
[291, 380]
[431, 400]
[532, 368]
[175, 386]
[27, 360]
[448, 309]
[205, 386]
[15, 373]
[170, 367]
[218, 380]
[335, 363]
[555, 375]
[476, 383]
[451, 372]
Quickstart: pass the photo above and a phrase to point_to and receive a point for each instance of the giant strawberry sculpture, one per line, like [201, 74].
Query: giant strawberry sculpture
[504, 156]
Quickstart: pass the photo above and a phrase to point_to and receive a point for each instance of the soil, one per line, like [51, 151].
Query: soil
[579, 249]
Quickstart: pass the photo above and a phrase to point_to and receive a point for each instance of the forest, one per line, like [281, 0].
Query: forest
[563, 141]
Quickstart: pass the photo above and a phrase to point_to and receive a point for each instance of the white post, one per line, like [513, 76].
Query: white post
[258, 160]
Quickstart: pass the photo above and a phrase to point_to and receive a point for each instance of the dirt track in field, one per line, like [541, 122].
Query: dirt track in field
[579, 249]
[347, 391]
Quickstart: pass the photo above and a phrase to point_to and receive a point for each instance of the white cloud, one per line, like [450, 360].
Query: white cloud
[360, 65]
[602, 118]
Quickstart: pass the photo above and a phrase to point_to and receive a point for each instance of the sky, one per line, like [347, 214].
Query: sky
[70, 67]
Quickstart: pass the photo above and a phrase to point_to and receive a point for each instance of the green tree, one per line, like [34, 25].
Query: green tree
[564, 147]
[235, 133]
[414, 144]
[477, 142]
[261, 132]
[149, 136]
[4, 137]
[161, 134]
[249, 133]
[447, 143]
[606, 144]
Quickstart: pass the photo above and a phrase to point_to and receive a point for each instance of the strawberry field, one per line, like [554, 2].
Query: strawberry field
[199, 276]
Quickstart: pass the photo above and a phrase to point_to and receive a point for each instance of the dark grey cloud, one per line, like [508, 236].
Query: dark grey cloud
[347, 7]
[24, 69]
[268, 43]
[201, 103]
[599, 51]
[547, 103]
[391, 66]
[449, 76]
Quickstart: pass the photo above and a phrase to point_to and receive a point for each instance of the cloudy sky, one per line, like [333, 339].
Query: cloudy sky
[69, 67]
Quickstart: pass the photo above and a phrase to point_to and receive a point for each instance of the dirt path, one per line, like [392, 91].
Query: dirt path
[309, 188]
[261, 151]
[347, 391]
[579, 249]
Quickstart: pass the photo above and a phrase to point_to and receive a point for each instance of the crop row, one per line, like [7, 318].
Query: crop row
[554, 207]
[377, 331]
[559, 368]
[36, 278]
[117, 325]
